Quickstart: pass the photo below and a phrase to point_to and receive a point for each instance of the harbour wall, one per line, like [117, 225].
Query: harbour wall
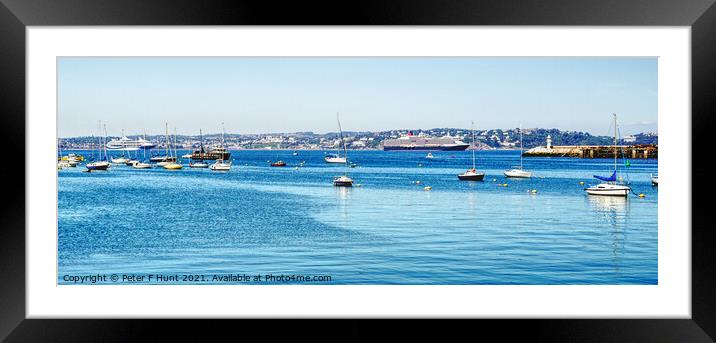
[595, 151]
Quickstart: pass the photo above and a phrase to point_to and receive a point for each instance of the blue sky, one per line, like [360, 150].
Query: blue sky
[261, 95]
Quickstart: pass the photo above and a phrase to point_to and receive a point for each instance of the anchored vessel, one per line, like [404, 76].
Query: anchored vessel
[220, 165]
[336, 158]
[172, 165]
[472, 174]
[519, 171]
[201, 163]
[102, 163]
[411, 142]
[610, 185]
[343, 180]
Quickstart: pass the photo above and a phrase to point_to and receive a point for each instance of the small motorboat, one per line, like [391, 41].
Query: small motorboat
[295, 153]
[471, 175]
[654, 180]
[343, 181]
[278, 164]
[429, 155]
[220, 165]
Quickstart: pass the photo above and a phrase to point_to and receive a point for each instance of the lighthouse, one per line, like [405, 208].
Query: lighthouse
[549, 142]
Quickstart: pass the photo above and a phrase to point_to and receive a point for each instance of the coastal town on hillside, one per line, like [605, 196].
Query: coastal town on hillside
[485, 139]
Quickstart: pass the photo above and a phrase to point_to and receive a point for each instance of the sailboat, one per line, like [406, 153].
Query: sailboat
[201, 163]
[610, 185]
[343, 180]
[472, 174]
[220, 165]
[143, 164]
[331, 158]
[519, 172]
[173, 165]
[101, 164]
[120, 160]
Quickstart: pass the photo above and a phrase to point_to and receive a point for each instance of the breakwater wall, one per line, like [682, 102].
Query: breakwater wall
[595, 151]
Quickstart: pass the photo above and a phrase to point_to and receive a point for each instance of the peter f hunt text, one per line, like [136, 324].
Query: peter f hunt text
[192, 278]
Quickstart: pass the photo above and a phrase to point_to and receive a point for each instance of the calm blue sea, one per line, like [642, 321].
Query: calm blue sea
[284, 222]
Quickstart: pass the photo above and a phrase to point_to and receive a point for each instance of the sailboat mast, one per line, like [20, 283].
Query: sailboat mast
[340, 134]
[615, 141]
[144, 149]
[520, 146]
[176, 155]
[166, 132]
[99, 141]
[104, 145]
[473, 145]
[201, 146]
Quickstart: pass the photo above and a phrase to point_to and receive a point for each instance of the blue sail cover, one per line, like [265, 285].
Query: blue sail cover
[610, 178]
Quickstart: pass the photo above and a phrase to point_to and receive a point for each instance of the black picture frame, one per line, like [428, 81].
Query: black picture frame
[16, 15]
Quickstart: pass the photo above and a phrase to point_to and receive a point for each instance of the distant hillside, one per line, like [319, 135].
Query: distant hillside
[492, 138]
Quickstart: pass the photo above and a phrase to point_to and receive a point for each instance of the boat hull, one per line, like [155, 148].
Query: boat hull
[471, 177]
[517, 173]
[162, 159]
[198, 165]
[335, 160]
[97, 166]
[609, 190]
[220, 167]
[456, 147]
[211, 156]
[173, 166]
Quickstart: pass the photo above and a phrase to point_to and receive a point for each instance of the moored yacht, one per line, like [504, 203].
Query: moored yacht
[472, 174]
[610, 186]
[519, 172]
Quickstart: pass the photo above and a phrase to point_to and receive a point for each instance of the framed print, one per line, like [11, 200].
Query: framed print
[434, 165]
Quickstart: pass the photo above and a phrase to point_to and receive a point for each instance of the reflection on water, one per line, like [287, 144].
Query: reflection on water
[613, 210]
[390, 230]
[344, 194]
[608, 204]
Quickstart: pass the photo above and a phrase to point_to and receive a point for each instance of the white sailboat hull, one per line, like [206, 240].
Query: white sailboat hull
[142, 165]
[518, 173]
[608, 189]
[335, 160]
[220, 166]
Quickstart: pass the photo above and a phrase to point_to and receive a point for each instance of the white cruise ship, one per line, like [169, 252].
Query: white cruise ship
[128, 144]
